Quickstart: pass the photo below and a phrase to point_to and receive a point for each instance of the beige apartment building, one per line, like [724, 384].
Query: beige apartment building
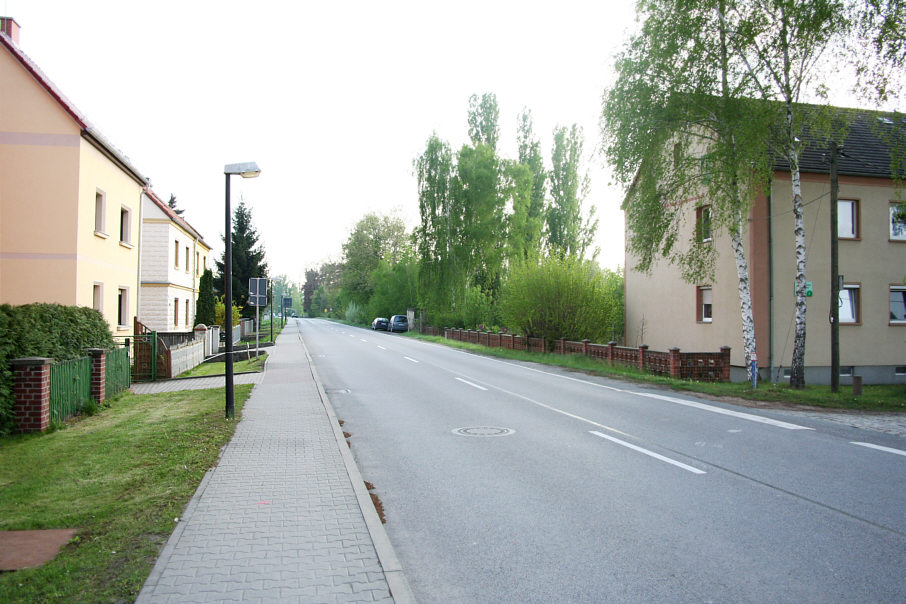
[173, 257]
[663, 311]
[70, 203]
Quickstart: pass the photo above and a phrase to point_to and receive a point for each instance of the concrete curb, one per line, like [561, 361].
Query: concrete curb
[393, 570]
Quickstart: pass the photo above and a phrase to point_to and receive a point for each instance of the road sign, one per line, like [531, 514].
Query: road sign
[258, 291]
[287, 301]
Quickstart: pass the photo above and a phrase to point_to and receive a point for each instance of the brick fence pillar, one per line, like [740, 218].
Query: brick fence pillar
[31, 393]
[98, 374]
[675, 363]
[585, 347]
[725, 363]
[642, 350]
[610, 350]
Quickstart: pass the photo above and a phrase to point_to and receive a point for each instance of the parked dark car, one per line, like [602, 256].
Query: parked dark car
[380, 323]
[398, 323]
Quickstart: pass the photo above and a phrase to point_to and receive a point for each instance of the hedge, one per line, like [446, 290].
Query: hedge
[44, 330]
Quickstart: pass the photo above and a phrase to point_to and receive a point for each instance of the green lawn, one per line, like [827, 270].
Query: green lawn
[873, 398]
[121, 478]
[238, 366]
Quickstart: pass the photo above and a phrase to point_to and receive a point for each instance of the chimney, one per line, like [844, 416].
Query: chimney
[9, 26]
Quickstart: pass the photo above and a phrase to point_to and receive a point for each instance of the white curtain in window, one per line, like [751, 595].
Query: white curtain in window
[848, 305]
[846, 218]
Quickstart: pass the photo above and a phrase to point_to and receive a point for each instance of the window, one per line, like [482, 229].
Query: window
[705, 167]
[176, 254]
[187, 312]
[847, 219]
[122, 313]
[898, 303]
[850, 307]
[97, 297]
[175, 312]
[187, 259]
[125, 225]
[703, 223]
[197, 265]
[897, 222]
[703, 304]
[100, 211]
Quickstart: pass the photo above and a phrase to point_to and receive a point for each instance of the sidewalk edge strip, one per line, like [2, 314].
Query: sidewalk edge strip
[393, 571]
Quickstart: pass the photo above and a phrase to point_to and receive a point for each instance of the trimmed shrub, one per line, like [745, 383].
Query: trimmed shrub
[44, 330]
[563, 298]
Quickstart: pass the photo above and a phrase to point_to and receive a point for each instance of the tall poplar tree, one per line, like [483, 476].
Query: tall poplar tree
[569, 233]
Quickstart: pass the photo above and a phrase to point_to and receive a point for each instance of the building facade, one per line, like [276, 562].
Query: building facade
[173, 258]
[664, 311]
[70, 203]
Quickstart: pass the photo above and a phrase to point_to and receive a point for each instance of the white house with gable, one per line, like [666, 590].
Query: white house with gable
[173, 257]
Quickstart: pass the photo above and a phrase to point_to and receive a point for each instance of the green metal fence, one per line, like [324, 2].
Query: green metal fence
[70, 387]
[118, 371]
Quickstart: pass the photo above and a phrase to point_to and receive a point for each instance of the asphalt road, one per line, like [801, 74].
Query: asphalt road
[516, 482]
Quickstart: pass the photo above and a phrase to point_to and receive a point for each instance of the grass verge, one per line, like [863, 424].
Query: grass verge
[219, 368]
[887, 398]
[121, 478]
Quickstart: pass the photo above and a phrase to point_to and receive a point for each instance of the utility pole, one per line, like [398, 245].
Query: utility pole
[835, 272]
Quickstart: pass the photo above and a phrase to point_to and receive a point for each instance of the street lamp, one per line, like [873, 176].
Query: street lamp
[245, 170]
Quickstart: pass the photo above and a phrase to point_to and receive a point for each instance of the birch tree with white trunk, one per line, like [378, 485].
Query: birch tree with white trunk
[678, 128]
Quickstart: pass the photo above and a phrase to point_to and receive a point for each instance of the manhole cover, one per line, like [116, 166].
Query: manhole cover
[484, 431]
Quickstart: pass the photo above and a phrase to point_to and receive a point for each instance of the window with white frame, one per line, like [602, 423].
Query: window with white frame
[122, 311]
[847, 219]
[187, 312]
[897, 222]
[125, 225]
[176, 254]
[187, 259]
[175, 312]
[100, 212]
[850, 304]
[97, 297]
[704, 303]
[898, 303]
[703, 223]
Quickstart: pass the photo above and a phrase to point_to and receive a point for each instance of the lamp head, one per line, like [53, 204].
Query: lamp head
[247, 169]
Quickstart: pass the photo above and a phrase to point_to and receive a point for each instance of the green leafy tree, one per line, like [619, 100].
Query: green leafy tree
[476, 198]
[568, 232]
[679, 131]
[527, 220]
[484, 116]
[248, 259]
[395, 287]
[313, 280]
[204, 307]
[373, 239]
[220, 313]
[439, 271]
[781, 43]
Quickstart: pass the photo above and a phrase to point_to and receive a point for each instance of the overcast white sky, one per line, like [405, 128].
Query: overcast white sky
[334, 100]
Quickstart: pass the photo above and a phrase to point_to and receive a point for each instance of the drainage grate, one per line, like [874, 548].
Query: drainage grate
[483, 431]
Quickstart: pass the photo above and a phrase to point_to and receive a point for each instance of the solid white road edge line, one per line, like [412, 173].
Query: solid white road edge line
[669, 399]
[471, 384]
[649, 453]
[880, 448]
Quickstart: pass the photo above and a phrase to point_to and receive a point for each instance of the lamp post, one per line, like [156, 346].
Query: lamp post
[245, 170]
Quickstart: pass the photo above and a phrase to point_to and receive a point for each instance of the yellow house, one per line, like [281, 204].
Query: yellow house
[70, 203]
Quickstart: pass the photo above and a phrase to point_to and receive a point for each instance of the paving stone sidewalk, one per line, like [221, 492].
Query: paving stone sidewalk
[285, 516]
